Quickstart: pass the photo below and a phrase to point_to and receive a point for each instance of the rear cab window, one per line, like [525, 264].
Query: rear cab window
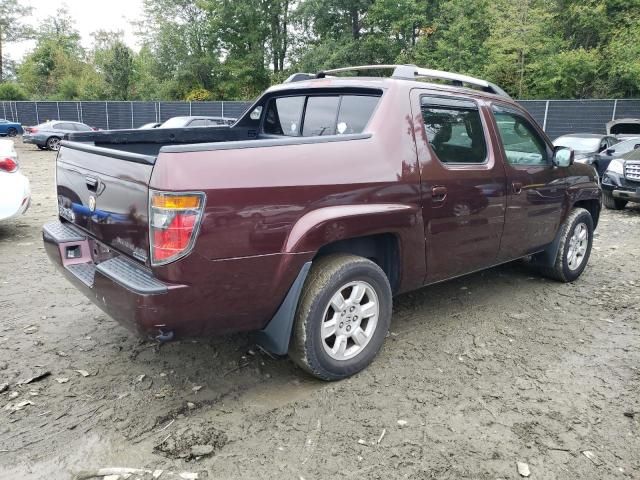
[319, 115]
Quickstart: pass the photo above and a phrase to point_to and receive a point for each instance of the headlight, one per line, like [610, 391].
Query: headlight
[616, 166]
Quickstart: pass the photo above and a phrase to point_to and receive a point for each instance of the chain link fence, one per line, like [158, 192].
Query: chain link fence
[557, 117]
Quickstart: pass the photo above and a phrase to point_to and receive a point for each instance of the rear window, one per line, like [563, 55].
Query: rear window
[319, 115]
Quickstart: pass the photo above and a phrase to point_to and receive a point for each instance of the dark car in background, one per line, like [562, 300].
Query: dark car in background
[589, 148]
[621, 181]
[197, 121]
[9, 129]
[47, 136]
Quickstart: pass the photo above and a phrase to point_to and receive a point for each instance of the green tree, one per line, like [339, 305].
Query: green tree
[115, 62]
[12, 12]
[11, 91]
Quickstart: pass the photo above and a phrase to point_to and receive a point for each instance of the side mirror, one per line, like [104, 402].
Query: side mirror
[563, 157]
[610, 151]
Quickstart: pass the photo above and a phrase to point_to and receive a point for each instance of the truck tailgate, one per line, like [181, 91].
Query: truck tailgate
[106, 193]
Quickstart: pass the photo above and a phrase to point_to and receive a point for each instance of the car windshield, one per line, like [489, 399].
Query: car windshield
[580, 144]
[175, 122]
[627, 145]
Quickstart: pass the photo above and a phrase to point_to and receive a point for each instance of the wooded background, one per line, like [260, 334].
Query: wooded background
[233, 49]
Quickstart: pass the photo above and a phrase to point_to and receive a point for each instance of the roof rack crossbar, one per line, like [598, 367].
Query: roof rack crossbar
[411, 72]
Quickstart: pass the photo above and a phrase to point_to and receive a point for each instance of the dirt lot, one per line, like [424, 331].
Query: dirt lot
[477, 374]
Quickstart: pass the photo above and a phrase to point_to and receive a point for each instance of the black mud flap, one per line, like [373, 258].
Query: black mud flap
[276, 335]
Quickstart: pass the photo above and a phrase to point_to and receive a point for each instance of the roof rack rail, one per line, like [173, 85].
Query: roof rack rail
[409, 72]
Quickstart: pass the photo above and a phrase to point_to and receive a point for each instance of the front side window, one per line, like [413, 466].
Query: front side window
[454, 130]
[521, 142]
[283, 116]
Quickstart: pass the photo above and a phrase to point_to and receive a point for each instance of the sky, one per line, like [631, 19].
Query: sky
[89, 16]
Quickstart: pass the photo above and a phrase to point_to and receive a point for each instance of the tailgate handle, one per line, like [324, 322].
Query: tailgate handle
[92, 183]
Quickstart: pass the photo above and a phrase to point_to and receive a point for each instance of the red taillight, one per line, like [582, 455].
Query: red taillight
[173, 222]
[8, 165]
[31, 130]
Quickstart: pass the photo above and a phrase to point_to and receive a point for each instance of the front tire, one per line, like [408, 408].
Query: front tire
[576, 240]
[611, 202]
[12, 132]
[53, 143]
[343, 317]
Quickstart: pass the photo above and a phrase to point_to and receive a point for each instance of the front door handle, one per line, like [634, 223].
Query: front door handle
[516, 187]
[438, 194]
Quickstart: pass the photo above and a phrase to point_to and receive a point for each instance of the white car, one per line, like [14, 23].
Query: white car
[15, 194]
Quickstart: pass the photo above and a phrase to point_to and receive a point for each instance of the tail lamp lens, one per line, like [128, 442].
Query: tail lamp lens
[174, 219]
[8, 165]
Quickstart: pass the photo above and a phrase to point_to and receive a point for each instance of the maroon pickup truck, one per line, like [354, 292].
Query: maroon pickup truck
[301, 220]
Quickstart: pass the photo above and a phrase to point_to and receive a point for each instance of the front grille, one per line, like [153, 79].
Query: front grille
[632, 171]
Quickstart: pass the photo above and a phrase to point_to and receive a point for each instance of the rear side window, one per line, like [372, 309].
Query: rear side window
[81, 127]
[63, 126]
[319, 115]
[455, 131]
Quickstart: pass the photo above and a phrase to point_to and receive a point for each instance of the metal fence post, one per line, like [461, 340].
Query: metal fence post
[106, 111]
[544, 122]
[37, 115]
[222, 103]
[615, 107]
[159, 111]
[58, 108]
[81, 113]
[190, 114]
[132, 115]
[4, 109]
[78, 111]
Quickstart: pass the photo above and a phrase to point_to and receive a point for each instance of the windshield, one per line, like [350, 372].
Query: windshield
[580, 144]
[627, 145]
[175, 122]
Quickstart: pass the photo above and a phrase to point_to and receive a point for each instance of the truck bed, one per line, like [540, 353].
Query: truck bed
[149, 142]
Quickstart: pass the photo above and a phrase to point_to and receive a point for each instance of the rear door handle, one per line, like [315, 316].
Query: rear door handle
[516, 187]
[438, 194]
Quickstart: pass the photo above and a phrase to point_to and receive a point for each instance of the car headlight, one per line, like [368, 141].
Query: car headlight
[616, 166]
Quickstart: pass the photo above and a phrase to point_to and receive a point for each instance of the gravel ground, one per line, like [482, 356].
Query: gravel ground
[476, 375]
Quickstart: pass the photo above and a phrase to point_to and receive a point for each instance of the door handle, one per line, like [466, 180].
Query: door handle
[438, 194]
[517, 187]
[92, 183]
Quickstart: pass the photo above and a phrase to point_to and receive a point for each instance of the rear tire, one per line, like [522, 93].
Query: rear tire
[611, 202]
[576, 239]
[343, 317]
[12, 132]
[53, 143]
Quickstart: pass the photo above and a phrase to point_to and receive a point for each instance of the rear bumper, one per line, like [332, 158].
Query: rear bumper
[15, 195]
[125, 291]
[222, 296]
[33, 139]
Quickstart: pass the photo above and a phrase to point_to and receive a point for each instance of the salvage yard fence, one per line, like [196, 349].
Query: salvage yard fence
[557, 117]
[114, 115]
